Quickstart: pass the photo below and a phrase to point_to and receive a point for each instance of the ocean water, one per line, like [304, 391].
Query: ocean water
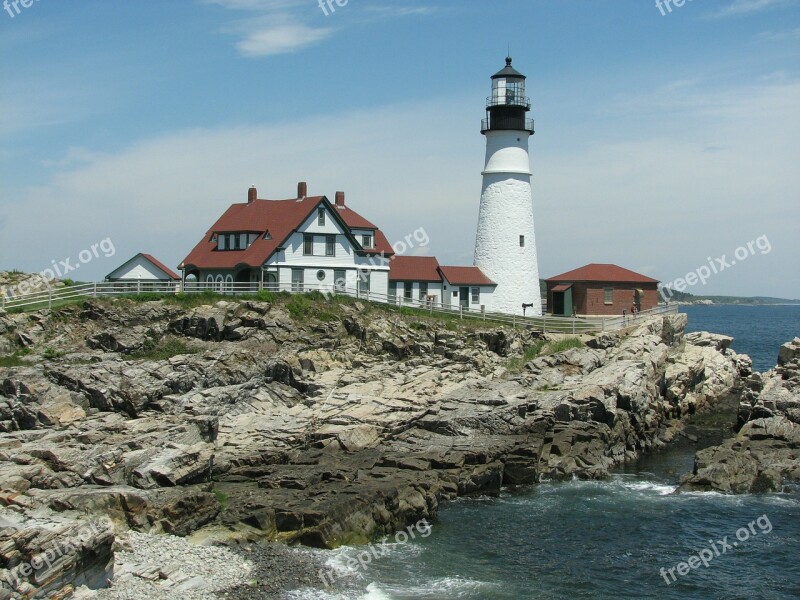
[758, 331]
[605, 539]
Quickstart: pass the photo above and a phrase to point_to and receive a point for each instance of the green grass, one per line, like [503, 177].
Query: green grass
[163, 349]
[299, 307]
[16, 359]
[51, 353]
[542, 348]
[222, 498]
[562, 345]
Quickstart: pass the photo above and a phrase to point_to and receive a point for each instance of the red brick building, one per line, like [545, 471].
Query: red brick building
[600, 289]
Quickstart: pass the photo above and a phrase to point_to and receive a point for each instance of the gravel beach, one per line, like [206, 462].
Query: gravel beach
[163, 567]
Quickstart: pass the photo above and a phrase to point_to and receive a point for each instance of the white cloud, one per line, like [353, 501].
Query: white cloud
[283, 25]
[280, 39]
[747, 7]
[777, 36]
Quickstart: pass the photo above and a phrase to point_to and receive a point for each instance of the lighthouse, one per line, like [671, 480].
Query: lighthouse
[505, 245]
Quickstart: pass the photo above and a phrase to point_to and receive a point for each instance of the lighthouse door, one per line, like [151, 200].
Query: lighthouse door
[463, 296]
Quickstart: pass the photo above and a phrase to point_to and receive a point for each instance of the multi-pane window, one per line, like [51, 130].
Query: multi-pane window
[363, 282]
[476, 295]
[320, 216]
[366, 241]
[298, 277]
[330, 245]
[308, 244]
[407, 290]
[609, 296]
[233, 241]
[423, 291]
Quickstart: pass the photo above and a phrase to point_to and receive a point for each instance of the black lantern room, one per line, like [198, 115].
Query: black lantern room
[507, 107]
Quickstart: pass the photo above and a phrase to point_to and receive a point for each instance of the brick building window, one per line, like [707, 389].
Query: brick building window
[608, 296]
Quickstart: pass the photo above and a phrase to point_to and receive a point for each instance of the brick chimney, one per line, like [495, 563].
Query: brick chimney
[302, 190]
[252, 195]
[339, 198]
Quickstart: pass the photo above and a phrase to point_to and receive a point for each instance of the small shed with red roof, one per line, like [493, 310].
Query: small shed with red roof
[600, 289]
[143, 267]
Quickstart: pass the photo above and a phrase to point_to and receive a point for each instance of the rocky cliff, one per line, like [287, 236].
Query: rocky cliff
[312, 421]
[765, 453]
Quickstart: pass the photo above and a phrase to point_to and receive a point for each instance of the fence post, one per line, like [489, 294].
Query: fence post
[50, 298]
[138, 286]
[573, 326]
[514, 320]
[461, 311]
[602, 326]
[544, 323]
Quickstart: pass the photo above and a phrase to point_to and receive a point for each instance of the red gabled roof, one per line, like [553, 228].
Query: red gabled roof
[353, 219]
[465, 276]
[162, 266]
[603, 272]
[414, 268]
[281, 218]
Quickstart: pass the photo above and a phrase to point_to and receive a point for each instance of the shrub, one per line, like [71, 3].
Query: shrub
[163, 349]
[50, 353]
[299, 307]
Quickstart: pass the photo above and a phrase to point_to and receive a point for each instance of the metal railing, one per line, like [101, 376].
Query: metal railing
[508, 99]
[54, 297]
[497, 123]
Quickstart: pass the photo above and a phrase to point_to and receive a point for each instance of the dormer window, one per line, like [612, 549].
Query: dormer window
[320, 216]
[234, 241]
[366, 241]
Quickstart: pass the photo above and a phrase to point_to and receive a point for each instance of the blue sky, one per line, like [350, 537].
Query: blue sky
[662, 141]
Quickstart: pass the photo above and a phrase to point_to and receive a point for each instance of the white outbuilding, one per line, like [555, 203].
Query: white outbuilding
[143, 267]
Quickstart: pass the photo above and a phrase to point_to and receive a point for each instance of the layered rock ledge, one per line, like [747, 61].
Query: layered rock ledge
[764, 456]
[318, 422]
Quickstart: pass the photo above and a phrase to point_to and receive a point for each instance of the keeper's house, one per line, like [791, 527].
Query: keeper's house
[304, 243]
[600, 289]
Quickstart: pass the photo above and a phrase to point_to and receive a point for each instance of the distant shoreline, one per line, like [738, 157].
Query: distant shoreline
[736, 303]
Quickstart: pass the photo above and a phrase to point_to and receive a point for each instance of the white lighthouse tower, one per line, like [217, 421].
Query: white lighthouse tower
[505, 247]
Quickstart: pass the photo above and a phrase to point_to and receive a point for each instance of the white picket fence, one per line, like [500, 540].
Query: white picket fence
[575, 325]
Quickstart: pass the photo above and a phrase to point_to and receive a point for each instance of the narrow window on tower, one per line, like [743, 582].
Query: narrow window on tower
[522, 241]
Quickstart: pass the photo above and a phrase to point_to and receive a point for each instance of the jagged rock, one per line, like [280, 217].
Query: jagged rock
[124, 341]
[44, 556]
[704, 338]
[604, 341]
[789, 355]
